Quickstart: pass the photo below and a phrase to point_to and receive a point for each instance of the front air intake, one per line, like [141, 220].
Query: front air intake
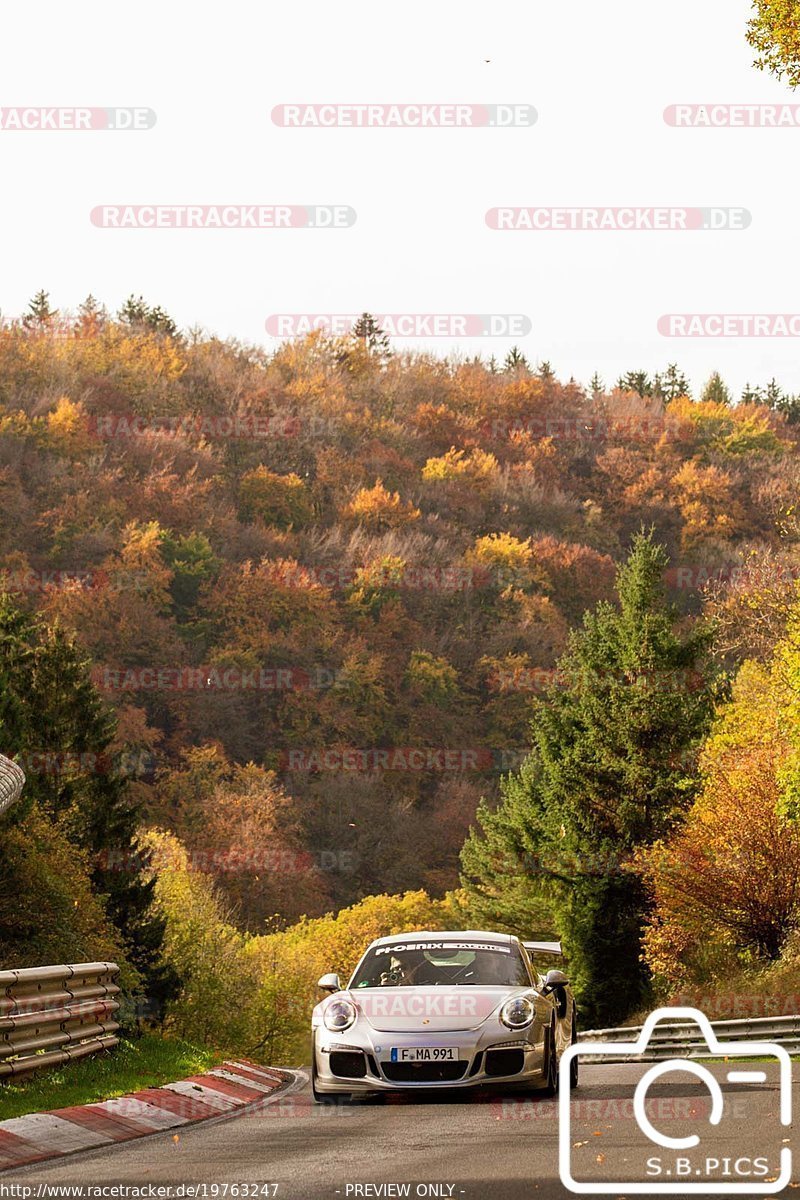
[348, 1064]
[504, 1062]
[422, 1072]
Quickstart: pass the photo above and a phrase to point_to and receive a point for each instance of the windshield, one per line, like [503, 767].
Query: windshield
[425, 964]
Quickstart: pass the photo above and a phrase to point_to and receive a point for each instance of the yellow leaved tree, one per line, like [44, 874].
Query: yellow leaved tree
[726, 885]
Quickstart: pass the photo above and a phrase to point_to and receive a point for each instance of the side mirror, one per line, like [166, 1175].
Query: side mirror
[556, 981]
[329, 983]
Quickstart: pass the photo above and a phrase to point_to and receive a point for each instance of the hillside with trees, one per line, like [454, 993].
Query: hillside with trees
[298, 610]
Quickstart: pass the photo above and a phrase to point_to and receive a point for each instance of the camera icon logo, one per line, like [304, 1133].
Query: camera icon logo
[687, 1168]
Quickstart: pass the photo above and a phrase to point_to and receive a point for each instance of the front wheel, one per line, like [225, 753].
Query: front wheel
[551, 1085]
[573, 1066]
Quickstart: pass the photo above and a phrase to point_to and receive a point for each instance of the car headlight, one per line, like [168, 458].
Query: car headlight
[517, 1013]
[339, 1015]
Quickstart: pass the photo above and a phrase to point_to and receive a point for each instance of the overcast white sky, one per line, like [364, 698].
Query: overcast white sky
[599, 74]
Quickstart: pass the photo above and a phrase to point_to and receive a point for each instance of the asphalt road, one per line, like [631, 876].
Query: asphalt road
[478, 1147]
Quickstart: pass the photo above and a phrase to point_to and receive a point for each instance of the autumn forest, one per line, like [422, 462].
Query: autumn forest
[311, 599]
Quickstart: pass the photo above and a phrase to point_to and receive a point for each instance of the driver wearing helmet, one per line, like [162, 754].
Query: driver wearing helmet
[395, 976]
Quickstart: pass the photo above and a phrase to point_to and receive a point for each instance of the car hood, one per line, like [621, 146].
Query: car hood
[430, 1009]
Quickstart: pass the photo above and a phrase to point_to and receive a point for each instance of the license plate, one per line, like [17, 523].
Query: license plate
[424, 1054]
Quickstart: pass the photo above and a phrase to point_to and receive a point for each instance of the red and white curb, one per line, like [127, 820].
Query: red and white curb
[39, 1136]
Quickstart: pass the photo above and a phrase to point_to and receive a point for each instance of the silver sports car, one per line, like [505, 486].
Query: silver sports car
[453, 1010]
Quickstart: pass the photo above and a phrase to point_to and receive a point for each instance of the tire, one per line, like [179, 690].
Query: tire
[551, 1085]
[325, 1097]
[573, 1066]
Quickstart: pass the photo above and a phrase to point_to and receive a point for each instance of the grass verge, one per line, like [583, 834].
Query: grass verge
[148, 1061]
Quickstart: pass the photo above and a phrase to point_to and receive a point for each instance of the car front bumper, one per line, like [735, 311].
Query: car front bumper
[477, 1054]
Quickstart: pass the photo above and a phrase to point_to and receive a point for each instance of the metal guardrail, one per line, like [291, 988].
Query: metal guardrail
[12, 781]
[52, 1015]
[684, 1038]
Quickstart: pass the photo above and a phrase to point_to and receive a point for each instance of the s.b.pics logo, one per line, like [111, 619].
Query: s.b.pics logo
[733, 1139]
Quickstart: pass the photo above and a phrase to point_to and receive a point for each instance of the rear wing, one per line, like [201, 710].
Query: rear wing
[544, 948]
